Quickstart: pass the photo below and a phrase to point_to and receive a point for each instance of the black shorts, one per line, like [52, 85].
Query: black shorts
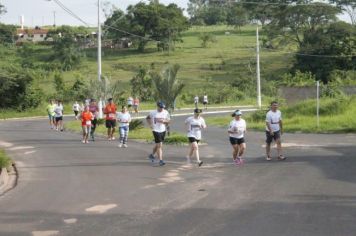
[159, 136]
[205, 103]
[75, 113]
[192, 140]
[129, 105]
[59, 118]
[269, 138]
[237, 141]
[110, 124]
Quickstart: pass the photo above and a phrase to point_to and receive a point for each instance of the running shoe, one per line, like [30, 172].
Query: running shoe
[83, 141]
[151, 157]
[237, 162]
[125, 146]
[161, 163]
[200, 163]
[113, 138]
[120, 145]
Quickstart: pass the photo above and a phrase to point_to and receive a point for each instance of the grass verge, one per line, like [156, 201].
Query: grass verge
[5, 161]
[336, 116]
[144, 134]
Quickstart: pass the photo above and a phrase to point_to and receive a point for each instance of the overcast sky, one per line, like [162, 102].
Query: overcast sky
[40, 12]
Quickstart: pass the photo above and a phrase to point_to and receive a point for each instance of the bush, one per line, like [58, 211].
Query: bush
[136, 124]
[176, 139]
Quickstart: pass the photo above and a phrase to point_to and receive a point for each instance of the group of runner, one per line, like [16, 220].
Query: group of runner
[55, 114]
[159, 119]
[205, 101]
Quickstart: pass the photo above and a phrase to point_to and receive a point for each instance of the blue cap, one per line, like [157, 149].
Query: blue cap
[237, 113]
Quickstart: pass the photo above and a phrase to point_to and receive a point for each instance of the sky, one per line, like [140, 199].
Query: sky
[40, 12]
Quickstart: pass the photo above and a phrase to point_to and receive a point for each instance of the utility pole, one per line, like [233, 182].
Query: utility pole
[99, 61]
[54, 19]
[259, 103]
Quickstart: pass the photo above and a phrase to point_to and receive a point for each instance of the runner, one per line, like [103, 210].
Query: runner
[194, 126]
[76, 109]
[110, 119]
[158, 120]
[51, 113]
[205, 101]
[237, 131]
[86, 117]
[136, 103]
[196, 101]
[129, 103]
[58, 110]
[94, 109]
[124, 119]
[274, 131]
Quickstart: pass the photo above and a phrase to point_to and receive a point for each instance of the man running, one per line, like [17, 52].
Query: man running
[129, 103]
[124, 119]
[274, 130]
[94, 109]
[158, 120]
[237, 130]
[76, 109]
[196, 101]
[194, 125]
[110, 119]
[205, 101]
[50, 111]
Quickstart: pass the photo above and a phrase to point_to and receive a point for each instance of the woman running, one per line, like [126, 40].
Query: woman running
[86, 118]
[237, 130]
[94, 109]
[194, 126]
[124, 119]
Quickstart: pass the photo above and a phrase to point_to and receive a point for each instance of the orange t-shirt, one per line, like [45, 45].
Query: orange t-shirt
[110, 111]
[86, 118]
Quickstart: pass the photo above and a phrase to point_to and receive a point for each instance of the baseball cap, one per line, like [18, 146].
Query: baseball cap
[237, 113]
[197, 110]
[110, 99]
[161, 104]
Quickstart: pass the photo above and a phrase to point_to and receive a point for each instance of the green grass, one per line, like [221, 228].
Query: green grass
[144, 134]
[336, 116]
[5, 161]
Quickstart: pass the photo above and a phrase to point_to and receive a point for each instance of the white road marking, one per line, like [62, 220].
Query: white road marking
[45, 233]
[70, 221]
[21, 148]
[101, 208]
[307, 145]
[5, 144]
[29, 152]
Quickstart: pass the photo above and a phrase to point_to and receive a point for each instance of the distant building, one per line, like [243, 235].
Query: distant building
[31, 35]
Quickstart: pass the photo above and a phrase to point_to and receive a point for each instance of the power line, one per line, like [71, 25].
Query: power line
[273, 3]
[66, 9]
[135, 35]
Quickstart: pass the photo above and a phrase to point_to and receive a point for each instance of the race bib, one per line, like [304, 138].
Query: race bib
[111, 115]
[88, 122]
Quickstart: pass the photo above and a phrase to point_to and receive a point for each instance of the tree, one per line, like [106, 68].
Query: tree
[141, 85]
[206, 38]
[66, 45]
[237, 16]
[7, 33]
[149, 21]
[195, 11]
[166, 85]
[17, 89]
[349, 6]
[2, 9]
[336, 45]
[293, 22]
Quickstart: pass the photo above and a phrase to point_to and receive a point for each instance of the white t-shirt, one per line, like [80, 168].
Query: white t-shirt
[76, 107]
[195, 126]
[130, 101]
[58, 110]
[273, 119]
[157, 119]
[238, 126]
[123, 118]
[205, 98]
[196, 99]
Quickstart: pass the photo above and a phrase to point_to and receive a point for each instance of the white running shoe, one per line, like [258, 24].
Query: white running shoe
[113, 138]
[120, 145]
[83, 141]
[125, 146]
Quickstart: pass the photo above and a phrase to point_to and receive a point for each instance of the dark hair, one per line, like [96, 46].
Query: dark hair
[274, 102]
[110, 99]
[197, 110]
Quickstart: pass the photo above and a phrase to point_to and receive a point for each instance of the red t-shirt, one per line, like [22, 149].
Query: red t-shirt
[110, 111]
[87, 118]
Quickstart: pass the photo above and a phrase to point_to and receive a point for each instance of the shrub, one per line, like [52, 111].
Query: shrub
[176, 139]
[136, 124]
[4, 160]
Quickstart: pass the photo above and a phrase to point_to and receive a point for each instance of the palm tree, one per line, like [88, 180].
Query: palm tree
[166, 85]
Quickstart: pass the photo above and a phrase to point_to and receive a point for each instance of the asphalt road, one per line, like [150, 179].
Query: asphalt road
[69, 188]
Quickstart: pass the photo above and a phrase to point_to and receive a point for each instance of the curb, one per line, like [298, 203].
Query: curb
[8, 180]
